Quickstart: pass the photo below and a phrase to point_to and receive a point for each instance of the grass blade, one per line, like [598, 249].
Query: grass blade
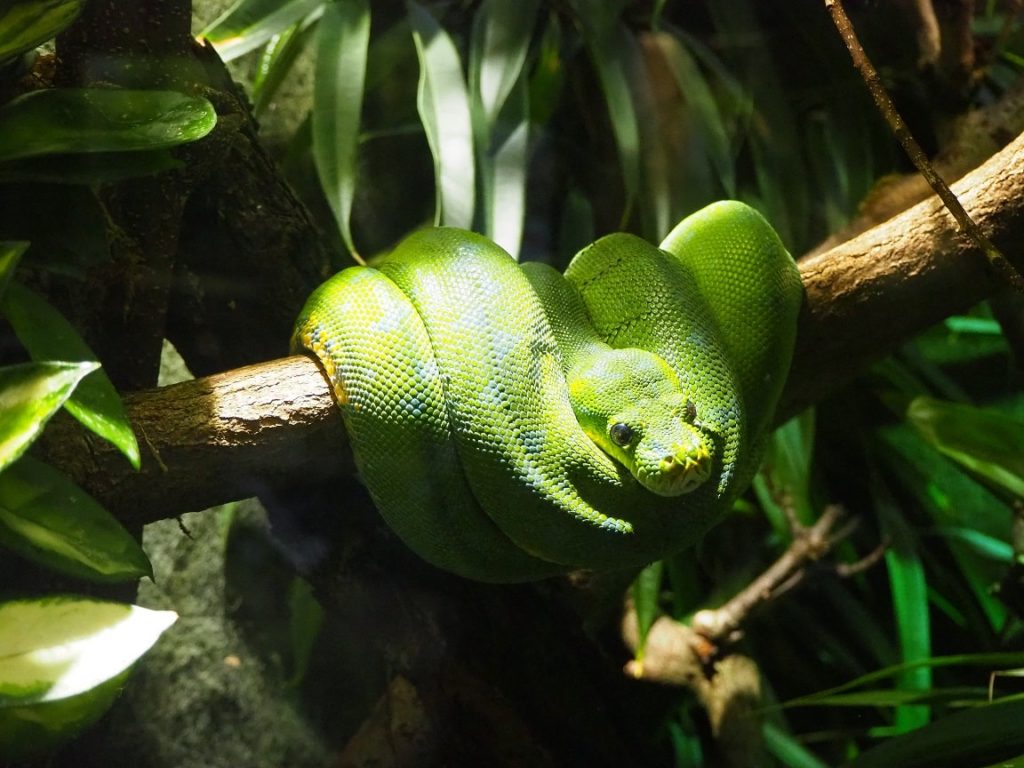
[343, 41]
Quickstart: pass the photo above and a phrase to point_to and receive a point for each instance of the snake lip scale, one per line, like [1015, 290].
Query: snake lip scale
[512, 422]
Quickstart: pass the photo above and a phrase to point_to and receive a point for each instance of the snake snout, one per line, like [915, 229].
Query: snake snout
[684, 468]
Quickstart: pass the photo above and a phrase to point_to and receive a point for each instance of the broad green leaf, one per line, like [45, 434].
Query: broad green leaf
[25, 24]
[910, 601]
[248, 24]
[48, 336]
[50, 520]
[443, 103]
[100, 120]
[646, 599]
[610, 46]
[29, 395]
[987, 442]
[343, 40]
[975, 736]
[62, 660]
[52, 648]
[10, 255]
[787, 750]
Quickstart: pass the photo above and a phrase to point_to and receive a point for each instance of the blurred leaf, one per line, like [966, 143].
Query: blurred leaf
[307, 617]
[276, 61]
[787, 750]
[973, 737]
[987, 442]
[548, 75]
[443, 103]
[99, 168]
[29, 395]
[10, 255]
[25, 24]
[100, 120]
[910, 601]
[895, 697]
[611, 46]
[248, 24]
[50, 520]
[647, 599]
[343, 40]
[62, 660]
[48, 336]
[786, 468]
[987, 661]
[986, 546]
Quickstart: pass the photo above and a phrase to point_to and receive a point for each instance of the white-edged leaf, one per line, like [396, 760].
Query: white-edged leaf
[443, 102]
[47, 335]
[248, 24]
[48, 519]
[52, 648]
[29, 395]
[343, 40]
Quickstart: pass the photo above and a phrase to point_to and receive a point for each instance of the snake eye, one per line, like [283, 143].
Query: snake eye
[621, 433]
[690, 413]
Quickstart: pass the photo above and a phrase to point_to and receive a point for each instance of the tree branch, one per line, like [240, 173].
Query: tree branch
[233, 434]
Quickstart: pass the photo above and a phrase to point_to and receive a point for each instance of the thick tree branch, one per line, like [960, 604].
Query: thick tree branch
[230, 435]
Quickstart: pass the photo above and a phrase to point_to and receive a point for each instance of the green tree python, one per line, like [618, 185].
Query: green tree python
[512, 422]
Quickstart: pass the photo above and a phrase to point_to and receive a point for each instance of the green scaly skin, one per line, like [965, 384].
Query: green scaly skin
[512, 423]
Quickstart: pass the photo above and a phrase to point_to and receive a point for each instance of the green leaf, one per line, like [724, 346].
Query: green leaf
[100, 120]
[973, 737]
[343, 41]
[910, 601]
[98, 168]
[10, 255]
[25, 24]
[276, 61]
[987, 661]
[29, 395]
[307, 617]
[248, 24]
[786, 467]
[610, 46]
[62, 660]
[50, 520]
[48, 336]
[443, 103]
[502, 30]
[646, 600]
[787, 750]
[987, 442]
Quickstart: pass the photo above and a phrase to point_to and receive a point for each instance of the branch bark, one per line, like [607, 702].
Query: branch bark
[230, 435]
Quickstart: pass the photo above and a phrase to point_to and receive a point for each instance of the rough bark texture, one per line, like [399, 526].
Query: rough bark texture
[207, 441]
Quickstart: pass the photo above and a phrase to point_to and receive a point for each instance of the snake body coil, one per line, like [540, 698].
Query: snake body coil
[511, 423]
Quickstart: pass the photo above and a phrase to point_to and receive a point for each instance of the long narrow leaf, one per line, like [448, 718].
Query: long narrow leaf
[343, 40]
[502, 30]
[276, 61]
[443, 103]
[48, 336]
[248, 24]
[29, 395]
[10, 254]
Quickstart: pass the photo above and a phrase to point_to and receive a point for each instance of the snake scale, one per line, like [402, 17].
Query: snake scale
[512, 422]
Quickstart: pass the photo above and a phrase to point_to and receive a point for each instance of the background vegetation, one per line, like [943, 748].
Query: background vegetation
[203, 210]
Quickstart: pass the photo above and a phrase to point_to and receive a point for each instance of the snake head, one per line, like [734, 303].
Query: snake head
[630, 402]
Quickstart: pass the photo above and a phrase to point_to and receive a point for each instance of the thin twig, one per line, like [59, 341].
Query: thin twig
[899, 128]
